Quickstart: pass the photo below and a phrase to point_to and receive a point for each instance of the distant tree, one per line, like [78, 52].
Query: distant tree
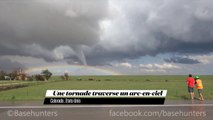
[46, 73]
[39, 77]
[62, 77]
[30, 78]
[13, 74]
[2, 74]
[66, 76]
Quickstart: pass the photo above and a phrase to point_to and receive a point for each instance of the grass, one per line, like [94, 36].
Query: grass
[175, 85]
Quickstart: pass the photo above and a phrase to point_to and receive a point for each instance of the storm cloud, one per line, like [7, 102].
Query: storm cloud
[156, 27]
[182, 60]
[99, 32]
[7, 65]
[47, 25]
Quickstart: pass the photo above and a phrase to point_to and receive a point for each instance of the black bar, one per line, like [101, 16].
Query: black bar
[99, 101]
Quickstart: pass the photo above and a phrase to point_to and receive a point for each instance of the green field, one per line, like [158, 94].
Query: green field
[175, 85]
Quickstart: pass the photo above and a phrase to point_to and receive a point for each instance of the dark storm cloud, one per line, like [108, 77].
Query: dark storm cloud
[182, 60]
[151, 28]
[105, 31]
[7, 65]
[48, 24]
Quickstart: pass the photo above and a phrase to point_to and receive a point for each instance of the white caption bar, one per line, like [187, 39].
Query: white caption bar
[106, 93]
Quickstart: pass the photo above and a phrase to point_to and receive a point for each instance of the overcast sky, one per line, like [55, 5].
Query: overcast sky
[126, 36]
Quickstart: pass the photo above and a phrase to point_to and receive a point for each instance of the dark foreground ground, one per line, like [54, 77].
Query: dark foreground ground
[175, 110]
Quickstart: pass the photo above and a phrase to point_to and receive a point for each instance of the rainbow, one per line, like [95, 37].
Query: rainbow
[72, 69]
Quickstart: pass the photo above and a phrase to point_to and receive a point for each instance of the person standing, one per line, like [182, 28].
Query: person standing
[199, 86]
[191, 82]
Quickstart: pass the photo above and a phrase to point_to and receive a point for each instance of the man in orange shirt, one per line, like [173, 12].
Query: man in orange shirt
[190, 82]
[199, 86]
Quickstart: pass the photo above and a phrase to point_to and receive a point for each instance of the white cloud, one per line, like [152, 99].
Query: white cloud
[166, 66]
[158, 67]
[63, 51]
[124, 64]
[148, 66]
[157, 70]
[205, 59]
